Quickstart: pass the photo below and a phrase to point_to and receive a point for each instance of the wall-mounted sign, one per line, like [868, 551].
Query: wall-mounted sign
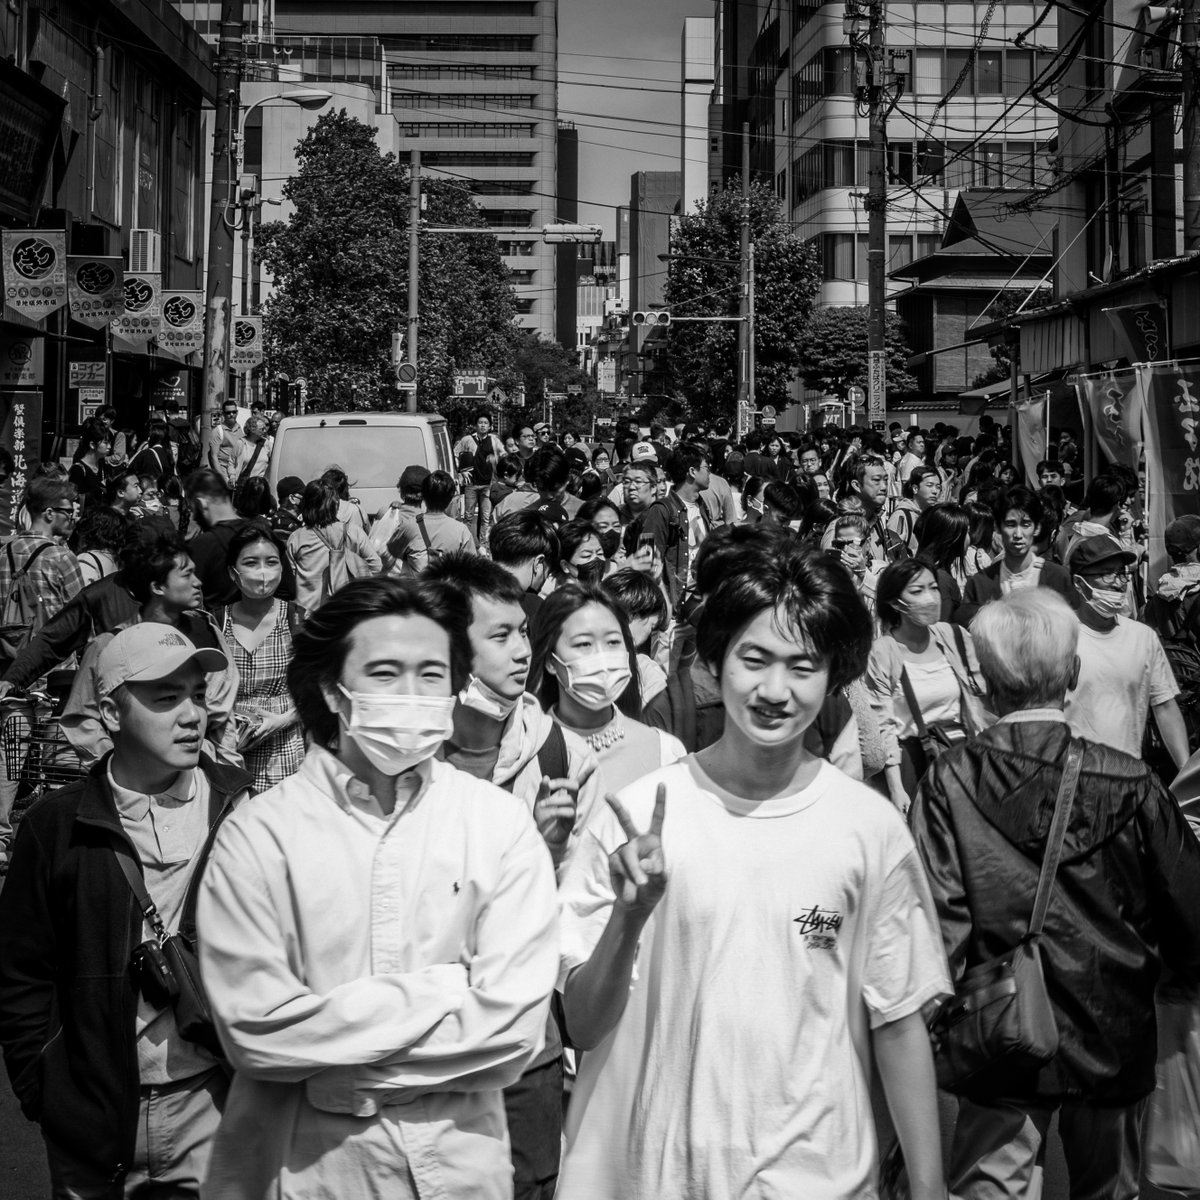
[246, 350]
[21, 361]
[86, 373]
[182, 328]
[143, 311]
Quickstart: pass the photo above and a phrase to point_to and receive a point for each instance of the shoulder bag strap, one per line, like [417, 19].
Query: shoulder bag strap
[1058, 831]
[913, 706]
[137, 885]
[424, 533]
[961, 643]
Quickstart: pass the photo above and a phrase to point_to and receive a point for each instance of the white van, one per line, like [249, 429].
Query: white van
[371, 447]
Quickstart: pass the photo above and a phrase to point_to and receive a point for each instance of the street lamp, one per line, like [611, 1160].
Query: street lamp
[227, 154]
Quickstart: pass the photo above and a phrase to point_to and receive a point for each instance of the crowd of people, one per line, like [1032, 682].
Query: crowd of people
[599, 820]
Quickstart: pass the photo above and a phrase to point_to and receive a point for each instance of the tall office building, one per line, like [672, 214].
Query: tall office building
[695, 94]
[472, 83]
[205, 18]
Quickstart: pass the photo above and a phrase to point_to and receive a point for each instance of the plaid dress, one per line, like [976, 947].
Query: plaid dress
[264, 685]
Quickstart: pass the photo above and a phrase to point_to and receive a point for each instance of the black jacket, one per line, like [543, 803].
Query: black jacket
[1126, 898]
[68, 925]
[984, 586]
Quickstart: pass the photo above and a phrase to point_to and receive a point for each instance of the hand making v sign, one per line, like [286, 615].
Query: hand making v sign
[637, 869]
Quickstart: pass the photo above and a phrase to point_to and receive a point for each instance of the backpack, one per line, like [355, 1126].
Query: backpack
[21, 610]
[187, 447]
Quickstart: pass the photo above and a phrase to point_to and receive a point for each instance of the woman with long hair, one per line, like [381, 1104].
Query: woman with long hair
[981, 545]
[258, 629]
[324, 553]
[943, 533]
[87, 471]
[922, 676]
[585, 674]
[155, 457]
[254, 499]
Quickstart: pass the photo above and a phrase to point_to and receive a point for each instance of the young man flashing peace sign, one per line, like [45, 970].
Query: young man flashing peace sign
[745, 930]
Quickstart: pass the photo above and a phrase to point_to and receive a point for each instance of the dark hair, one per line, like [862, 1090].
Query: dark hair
[106, 412]
[510, 466]
[687, 456]
[474, 575]
[248, 535]
[893, 579]
[730, 548]
[117, 484]
[558, 606]
[1104, 493]
[784, 499]
[157, 434]
[817, 596]
[148, 556]
[481, 414]
[1049, 464]
[320, 646]
[816, 519]
[942, 531]
[42, 493]
[521, 536]
[1019, 499]
[336, 478]
[599, 450]
[207, 484]
[92, 432]
[319, 507]
[437, 490]
[549, 469]
[252, 497]
[572, 535]
[591, 508]
[100, 528]
[637, 594]
[915, 478]
[983, 525]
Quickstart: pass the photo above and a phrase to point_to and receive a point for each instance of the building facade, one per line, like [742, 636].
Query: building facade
[104, 131]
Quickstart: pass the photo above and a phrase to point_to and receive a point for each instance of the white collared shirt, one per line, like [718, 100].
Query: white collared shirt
[363, 965]
[167, 830]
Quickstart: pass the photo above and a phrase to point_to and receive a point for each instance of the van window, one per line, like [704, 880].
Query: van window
[441, 440]
[371, 455]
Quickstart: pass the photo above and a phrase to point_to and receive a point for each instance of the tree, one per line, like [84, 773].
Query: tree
[833, 351]
[340, 272]
[541, 366]
[703, 279]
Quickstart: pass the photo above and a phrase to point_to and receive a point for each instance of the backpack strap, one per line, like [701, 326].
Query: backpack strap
[19, 573]
[961, 643]
[552, 755]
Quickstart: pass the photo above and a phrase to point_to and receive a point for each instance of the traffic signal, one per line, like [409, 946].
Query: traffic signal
[652, 320]
[572, 233]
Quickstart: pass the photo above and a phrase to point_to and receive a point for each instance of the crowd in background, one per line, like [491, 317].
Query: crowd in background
[919, 636]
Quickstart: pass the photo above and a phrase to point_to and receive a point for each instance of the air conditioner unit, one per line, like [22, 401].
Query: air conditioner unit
[145, 251]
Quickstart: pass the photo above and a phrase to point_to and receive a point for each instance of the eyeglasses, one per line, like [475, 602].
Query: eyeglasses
[1115, 578]
[231, 412]
[66, 512]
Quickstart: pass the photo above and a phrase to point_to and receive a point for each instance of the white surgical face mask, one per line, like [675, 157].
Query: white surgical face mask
[397, 732]
[596, 680]
[483, 699]
[1105, 602]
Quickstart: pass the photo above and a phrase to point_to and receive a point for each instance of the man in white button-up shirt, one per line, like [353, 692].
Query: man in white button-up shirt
[379, 931]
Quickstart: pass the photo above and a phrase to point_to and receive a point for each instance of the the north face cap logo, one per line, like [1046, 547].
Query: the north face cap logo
[172, 639]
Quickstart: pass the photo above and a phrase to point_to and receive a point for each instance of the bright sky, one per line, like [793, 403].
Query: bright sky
[618, 70]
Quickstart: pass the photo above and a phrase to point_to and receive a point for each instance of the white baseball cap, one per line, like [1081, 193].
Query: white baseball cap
[148, 651]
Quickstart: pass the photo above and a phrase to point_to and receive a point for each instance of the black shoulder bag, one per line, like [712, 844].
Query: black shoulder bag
[1000, 1014]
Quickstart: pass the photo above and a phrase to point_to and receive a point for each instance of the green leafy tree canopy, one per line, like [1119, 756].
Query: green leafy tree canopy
[340, 272]
[833, 351]
[703, 279]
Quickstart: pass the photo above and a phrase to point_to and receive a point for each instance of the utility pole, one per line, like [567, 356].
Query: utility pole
[1189, 27]
[744, 400]
[219, 283]
[876, 205]
[750, 364]
[414, 267]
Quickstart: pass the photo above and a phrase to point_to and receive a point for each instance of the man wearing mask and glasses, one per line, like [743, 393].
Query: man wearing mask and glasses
[380, 929]
[1124, 673]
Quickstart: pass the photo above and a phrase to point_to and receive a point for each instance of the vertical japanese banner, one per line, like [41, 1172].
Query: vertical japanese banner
[95, 288]
[1031, 433]
[142, 315]
[20, 433]
[35, 270]
[1114, 400]
[1170, 393]
[182, 329]
[247, 349]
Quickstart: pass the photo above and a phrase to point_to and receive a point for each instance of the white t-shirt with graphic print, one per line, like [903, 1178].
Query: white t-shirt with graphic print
[789, 929]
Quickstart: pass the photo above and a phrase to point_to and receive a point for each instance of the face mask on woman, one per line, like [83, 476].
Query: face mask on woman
[595, 680]
[925, 610]
[590, 574]
[258, 583]
[397, 732]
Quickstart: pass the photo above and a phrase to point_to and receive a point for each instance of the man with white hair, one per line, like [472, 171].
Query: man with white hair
[1125, 902]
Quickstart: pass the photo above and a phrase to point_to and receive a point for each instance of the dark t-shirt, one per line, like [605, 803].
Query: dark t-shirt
[88, 483]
